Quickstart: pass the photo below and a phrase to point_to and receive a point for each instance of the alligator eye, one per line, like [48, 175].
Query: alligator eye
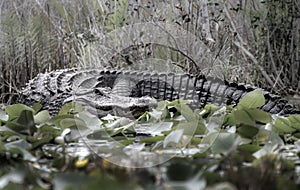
[98, 92]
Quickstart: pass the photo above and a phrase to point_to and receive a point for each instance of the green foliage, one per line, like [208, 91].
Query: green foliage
[211, 146]
[119, 17]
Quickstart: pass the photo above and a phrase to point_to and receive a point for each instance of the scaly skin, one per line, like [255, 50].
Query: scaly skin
[108, 91]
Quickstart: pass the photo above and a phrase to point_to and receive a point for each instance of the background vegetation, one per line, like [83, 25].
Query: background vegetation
[254, 41]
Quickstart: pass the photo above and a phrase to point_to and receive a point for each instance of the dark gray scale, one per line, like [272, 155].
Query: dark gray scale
[221, 97]
[214, 91]
[239, 93]
[171, 93]
[124, 84]
[106, 78]
[280, 104]
[199, 88]
[163, 85]
[154, 85]
[269, 103]
[190, 90]
[63, 81]
[205, 95]
[48, 84]
[229, 92]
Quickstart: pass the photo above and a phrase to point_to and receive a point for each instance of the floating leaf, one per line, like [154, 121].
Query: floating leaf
[254, 99]
[187, 112]
[24, 123]
[37, 107]
[157, 128]
[259, 115]
[90, 120]
[173, 138]
[242, 117]
[71, 107]
[247, 131]
[283, 125]
[15, 110]
[295, 121]
[151, 140]
[249, 148]
[26, 118]
[42, 117]
[224, 143]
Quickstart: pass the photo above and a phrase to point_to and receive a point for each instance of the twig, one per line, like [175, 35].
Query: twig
[249, 54]
[254, 60]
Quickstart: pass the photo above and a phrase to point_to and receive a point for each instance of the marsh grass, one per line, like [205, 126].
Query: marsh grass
[254, 41]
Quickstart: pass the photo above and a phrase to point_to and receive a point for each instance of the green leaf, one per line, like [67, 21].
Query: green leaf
[67, 123]
[24, 123]
[37, 107]
[151, 140]
[187, 112]
[26, 118]
[259, 115]
[225, 143]
[42, 117]
[173, 138]
[283, 125]
[15, 110]
[295, 121]
[243, 117]
[157, 128]
[254, 99]
[249, 148]
[247, 131]
[71, 107]
[90, 120]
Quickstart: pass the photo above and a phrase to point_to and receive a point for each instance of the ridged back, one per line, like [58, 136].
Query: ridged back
[52, 89]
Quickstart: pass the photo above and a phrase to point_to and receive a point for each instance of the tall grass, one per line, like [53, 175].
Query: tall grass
[249, 41]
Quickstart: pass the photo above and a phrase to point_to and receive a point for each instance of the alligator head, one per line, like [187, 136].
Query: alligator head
[101, 101]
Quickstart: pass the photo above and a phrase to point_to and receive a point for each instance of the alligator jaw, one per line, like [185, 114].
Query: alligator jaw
[104, 103]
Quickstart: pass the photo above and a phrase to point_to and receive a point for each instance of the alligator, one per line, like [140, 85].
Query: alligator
[104, 91]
